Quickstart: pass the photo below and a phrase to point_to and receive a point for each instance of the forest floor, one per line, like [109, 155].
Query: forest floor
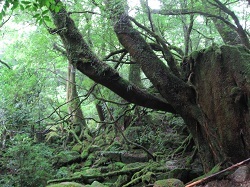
[239, 177]
[226, 183]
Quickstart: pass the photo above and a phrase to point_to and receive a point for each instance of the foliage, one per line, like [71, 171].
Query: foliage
[26, 164]
[40, 8]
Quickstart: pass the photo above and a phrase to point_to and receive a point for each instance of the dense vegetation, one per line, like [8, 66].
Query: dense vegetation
[120, 92]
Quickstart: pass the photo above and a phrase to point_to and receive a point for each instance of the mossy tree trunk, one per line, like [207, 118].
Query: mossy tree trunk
[74, 106]
[221, 78]
[215, 106]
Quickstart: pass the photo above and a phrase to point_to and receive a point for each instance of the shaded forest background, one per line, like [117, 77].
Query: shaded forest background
[134, 113]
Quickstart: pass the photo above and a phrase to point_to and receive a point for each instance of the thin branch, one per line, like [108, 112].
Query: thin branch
[115, 53]
[86, 96]
[120, 130]
[2, 24]
[84, 12]
[178, 12]
[209, 38]
[109, 101]
[4, 63]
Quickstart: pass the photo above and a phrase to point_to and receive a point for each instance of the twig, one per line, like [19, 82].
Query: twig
[4, 63]
[84, 12]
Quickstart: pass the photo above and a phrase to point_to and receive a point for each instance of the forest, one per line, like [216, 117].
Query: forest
[124, 93]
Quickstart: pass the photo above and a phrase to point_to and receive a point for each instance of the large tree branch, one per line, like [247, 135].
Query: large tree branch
[179, 94]
[79, 53]
[166, 51]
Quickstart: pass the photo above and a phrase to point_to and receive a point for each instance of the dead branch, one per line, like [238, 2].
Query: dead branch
[206, 179]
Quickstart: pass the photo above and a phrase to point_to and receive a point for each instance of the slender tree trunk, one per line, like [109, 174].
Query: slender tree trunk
[74, 107]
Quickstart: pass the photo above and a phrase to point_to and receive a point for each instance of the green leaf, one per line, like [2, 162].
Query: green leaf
[21, 7]
[41, 3]
[28, 6]
[47, 18]
[36, 5]
[40, 22]
[47, 3]
[34, 8]
[37, 15]
[15, 5]
[52, 7]
[6, 5]
[57, 9]
[45, 12]
[26, 2]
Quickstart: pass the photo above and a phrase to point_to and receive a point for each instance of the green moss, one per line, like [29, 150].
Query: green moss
[97, 184]
[66, 156]
[235, 90]
[194, 55]
[169, 183]
[87, 172]
[116, 166]
[90, 160]
[66, 184]
[77, 148]
[85, 154]
[148, 177]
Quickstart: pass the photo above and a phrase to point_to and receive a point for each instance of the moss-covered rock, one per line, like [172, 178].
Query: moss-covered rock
[94, 148]
[90, 160]
[96, 184]
[66, 184]
[168, 183]
[65, 157]
[77, 148]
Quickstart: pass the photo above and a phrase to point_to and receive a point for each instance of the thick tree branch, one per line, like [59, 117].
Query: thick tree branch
[166, 51]
[80, 54]
[180, 95]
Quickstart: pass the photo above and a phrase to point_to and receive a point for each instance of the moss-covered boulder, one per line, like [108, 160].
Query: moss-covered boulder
[67, 184]
[77, 147]
[88, 172]
[66, 157]
[96, 184]
[168, 183]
